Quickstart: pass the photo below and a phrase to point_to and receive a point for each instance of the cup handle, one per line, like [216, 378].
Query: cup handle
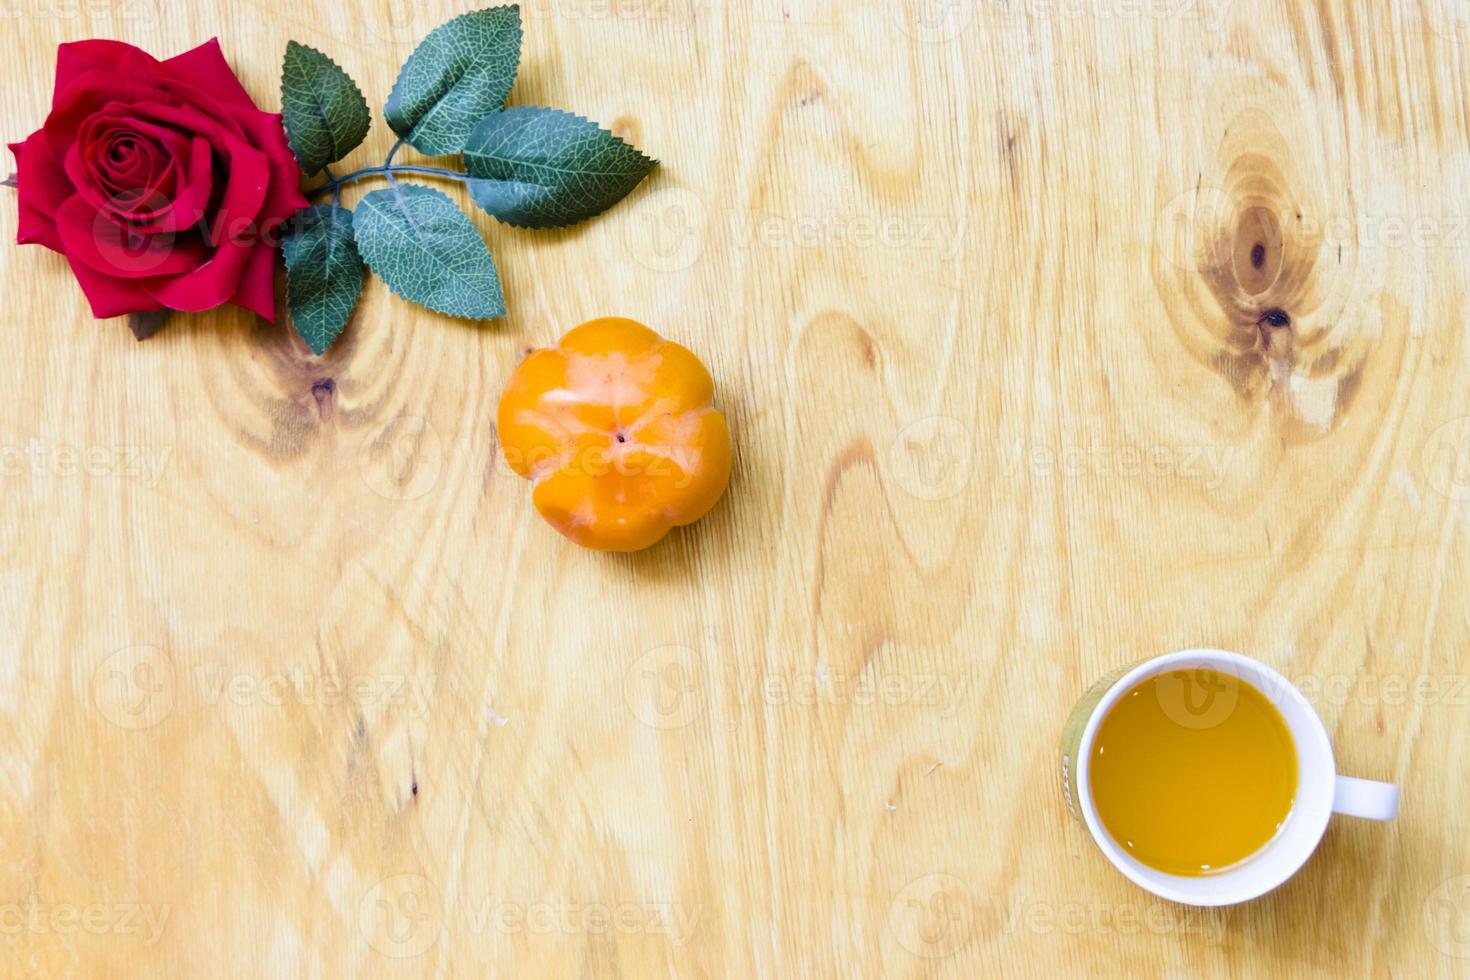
[1365, 798]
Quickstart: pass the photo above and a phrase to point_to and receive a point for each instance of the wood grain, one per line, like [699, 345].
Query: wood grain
[1052, 335]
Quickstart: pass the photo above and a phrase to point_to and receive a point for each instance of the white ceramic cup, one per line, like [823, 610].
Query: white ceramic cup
[1320, 791]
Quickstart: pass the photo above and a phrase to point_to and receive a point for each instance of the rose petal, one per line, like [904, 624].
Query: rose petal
[90, 93]
[234, 232]
[193, 198]
[247, 170]
[204, 68]
[176, 128]
[107, 247]
[124, 151]
[269, 136]
[76, 58]
[180, 196]
[120, 117]
[146, 208]
[257, 289]
[88, 172]
[111, 297]
[42, 188]
[94, 91]
[143, 203]
[129, 161]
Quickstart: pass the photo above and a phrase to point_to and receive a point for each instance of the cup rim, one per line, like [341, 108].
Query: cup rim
[1311, 808]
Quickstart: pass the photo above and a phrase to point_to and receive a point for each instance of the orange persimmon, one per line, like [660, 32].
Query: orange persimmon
[614, 428]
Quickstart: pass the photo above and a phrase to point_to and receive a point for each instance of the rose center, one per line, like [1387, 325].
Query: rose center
[127, 162]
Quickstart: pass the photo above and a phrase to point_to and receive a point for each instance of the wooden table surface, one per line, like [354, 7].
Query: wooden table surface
[1053, 334]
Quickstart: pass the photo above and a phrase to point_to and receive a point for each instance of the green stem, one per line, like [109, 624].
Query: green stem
[392, 152]
[335, 184]
[336, 190]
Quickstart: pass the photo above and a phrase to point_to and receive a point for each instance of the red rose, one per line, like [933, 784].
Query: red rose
[160, 181]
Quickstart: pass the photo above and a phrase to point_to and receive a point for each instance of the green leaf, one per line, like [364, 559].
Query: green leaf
[424, 247]
[322, 108]
[461, 72]
[544, 168]
[324, 273]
